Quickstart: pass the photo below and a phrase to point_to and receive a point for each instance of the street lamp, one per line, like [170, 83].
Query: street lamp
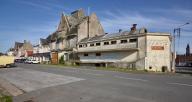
[178, 31]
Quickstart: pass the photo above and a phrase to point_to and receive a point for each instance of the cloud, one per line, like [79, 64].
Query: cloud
[114, 20]
[45, 5]
[38, 5]
[159, 20]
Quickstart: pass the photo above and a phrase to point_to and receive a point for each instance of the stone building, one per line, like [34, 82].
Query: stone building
[41, 52]
[72, 28]
[184, 59]
[129, 49]
[24, 49]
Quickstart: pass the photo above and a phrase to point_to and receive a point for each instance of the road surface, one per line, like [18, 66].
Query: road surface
[44, 83]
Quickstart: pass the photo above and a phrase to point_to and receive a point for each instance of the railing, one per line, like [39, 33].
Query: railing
[183, 69]
[125, 46]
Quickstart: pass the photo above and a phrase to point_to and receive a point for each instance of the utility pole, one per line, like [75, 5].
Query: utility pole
[177, 31]
[88, 22]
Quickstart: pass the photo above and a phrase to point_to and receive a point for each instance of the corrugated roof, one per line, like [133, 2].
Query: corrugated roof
[120, 34]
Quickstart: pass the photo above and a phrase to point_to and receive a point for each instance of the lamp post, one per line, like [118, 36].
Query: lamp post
[178, 31]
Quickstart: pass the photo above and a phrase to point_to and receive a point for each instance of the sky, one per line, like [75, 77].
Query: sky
[34, 19]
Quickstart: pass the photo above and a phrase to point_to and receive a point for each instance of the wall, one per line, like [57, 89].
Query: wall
[52, 45]
[82, 30]
[158, 53]
[95, 28]
[109, 57]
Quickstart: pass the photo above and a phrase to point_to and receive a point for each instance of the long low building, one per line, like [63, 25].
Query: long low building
[137, 49]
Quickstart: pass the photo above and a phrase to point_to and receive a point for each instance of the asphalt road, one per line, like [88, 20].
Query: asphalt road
[55, 84]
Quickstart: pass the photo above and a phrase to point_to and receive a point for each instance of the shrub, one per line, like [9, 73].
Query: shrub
[61, 60]
[5, 98]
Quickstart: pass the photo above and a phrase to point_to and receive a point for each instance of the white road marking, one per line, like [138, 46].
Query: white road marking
[136, 79]
[30, 80]
[181, 84]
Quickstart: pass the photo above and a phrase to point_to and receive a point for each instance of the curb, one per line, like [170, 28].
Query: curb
[10, 88]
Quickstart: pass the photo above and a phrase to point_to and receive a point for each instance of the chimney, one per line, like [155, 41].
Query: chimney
[133, 28]
[120, 30]
[25, 41]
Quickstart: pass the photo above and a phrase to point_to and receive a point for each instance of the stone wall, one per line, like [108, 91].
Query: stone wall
[158, 53]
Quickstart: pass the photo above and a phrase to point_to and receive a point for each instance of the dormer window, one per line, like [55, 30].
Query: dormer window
[113, 42]
[106, 43]
[123, 41]
[98, 44]
[132, 40]
[80, 46]
[92, 44]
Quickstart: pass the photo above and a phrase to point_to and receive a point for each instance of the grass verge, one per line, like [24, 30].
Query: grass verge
[126, 70]
[5, 98]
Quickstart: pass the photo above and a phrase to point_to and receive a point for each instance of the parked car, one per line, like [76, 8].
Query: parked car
[20, 60]
[31, 61]
[28, 61]
[35, 62]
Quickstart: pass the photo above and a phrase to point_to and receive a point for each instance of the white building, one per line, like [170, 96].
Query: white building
[135, 49]
[41, 51]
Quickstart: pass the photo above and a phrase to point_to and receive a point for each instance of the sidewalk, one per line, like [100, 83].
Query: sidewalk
[7, 88]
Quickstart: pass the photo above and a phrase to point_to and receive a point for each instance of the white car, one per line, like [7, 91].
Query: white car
[31, 61]
[35, 62]
[28, 61]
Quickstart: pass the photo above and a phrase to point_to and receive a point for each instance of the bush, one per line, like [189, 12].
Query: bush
[145, 70]
[61, 60]
[5, 98]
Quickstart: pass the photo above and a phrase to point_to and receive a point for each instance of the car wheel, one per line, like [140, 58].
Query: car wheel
[8, 66]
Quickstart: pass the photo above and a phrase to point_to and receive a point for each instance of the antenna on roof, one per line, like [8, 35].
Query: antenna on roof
[88, 11]
[88, 22]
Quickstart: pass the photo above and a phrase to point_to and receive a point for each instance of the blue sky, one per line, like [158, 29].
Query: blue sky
[33, 19]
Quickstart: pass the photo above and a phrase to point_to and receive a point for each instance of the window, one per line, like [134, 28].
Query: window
[91, 44]
[113, 42]
[85, 45]
[98, 44]
[132, 40]
[98, 54]
[86, 54]
[80, 46]
[150, 67]
[123, 41]
[106, 43]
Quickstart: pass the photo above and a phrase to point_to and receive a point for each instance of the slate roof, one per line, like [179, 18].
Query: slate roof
[113, 35]
[43, 41]
[18, 45]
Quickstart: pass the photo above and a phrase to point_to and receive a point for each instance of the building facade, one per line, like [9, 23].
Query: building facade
[22, 50]
[184, 59]
[41, 52]
[135, 49]
[72, 28]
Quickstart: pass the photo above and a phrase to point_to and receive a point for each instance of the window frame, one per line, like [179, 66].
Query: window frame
[106, 43]
[134, 40]
[98, 44]
[124, 41]
[98, 54]
[85, 54]
[92, 44]
[80, 46]
[112, 42]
